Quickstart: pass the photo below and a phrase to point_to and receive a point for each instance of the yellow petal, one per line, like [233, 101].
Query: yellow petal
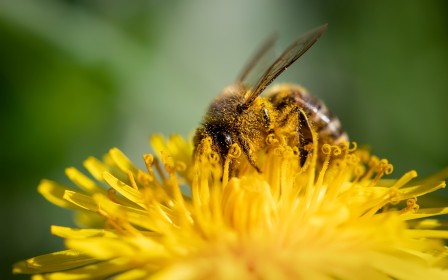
[100, 270]
[56, 261]
[422, 233]
[122, 162]
[80, 200]
[83, 181]
[125, 190]
[138, 274]
[54, 193]
[415, 191]
[400, 268]
[96, 168]
[101, 248]
[72, 233]
[132, 215]
[424, 213]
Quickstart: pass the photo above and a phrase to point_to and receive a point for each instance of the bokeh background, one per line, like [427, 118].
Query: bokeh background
[80, 77]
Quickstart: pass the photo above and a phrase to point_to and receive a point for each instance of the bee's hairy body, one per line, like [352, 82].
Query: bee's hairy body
[323, 121]
[287, 111]
[225, 123]
[239, 115]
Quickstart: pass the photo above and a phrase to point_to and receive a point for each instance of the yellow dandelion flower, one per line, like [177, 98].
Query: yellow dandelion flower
[185, 217]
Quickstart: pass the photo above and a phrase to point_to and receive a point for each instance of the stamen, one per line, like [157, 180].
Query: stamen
[180, 166]
[159, 169]
[278, 151]
[383, 167]
[172, 181]
[358, 172]
[272, 139]
[394, 196]
[327, 151]
[213, 157]
[336, 150]
[113, 221]
[411, 206]
[132, 180]
[379, 168]
[149, 161]
[234, 152]
[168, 163]
[349, 146]
[405, 179]
[149, 180]
[352, 159]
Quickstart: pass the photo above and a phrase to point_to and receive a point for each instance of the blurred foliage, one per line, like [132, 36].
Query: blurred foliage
[78, 77]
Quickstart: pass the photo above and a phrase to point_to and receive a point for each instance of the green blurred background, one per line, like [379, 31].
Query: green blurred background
[79, 77]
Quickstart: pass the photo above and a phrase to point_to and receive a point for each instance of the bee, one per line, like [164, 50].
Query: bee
[240, 115]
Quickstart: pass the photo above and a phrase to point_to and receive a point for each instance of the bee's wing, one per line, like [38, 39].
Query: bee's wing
[288, 57]
[258, 63]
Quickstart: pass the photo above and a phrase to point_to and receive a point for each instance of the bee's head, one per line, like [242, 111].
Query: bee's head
[221, 122]
[221, 139]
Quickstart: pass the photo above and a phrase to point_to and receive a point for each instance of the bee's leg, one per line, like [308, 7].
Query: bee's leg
[304, 131]
[305, 136]
[245, 146]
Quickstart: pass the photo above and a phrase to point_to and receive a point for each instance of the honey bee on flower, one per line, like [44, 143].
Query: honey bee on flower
[336, 219]
[239, 115]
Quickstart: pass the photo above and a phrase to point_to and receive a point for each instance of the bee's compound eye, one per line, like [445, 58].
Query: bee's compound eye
[225, 139]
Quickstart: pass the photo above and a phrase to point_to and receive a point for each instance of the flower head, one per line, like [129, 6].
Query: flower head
[188, 217]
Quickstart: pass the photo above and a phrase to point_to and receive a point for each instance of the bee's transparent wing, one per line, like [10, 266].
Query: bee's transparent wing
[288, 57]
[261, 60]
